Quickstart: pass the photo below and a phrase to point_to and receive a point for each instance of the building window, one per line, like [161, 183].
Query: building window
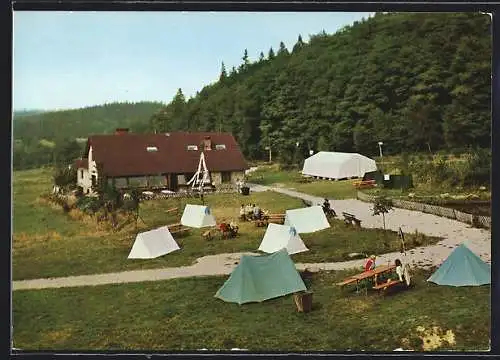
[81, 174]
[225, 177]
[220, 147]
[151, 149]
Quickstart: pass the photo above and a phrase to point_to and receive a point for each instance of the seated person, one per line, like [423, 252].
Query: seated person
[233, 227]
[256, 212]
[248, 211]
[326, 205]
[370, 263]
[327, 208]
[399, 269]
[242, 213]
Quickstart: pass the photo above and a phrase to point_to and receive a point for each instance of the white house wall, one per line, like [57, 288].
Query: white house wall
[83, 179]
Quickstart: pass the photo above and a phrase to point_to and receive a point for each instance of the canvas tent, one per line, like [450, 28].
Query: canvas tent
[197, 216]
[338, 165]
[152, 244]
[306, 220]
[259, 278]
[279, 236]
[462, 268]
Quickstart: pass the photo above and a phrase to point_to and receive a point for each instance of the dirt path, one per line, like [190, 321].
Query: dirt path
[453, 233]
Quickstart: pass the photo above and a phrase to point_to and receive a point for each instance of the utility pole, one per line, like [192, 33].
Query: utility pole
[380, 143]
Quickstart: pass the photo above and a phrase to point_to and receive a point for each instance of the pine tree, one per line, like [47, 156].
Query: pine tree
[261, 57]
[271, 54]
[298, 45]
[223, 74]
[282, 50]
[246, 62]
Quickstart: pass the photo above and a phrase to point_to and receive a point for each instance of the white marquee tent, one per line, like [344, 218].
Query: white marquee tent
[152, 244]
[279, 236]
[306, 220]
[197, 216]
[338, 165]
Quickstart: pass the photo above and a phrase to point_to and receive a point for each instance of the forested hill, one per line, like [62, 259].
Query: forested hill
[70, 124]
[413, 81]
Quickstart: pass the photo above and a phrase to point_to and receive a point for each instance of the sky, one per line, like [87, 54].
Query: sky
[65, 60]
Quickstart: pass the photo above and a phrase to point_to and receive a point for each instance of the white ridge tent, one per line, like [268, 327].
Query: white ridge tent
[306, 220]
[152, 244]
[338, 165]
[197, 216]
[279, 236]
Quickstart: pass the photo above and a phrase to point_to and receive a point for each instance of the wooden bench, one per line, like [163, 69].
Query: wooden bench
[347, 281]
[386, 285]
[351, 219]
[364, 184]
[177, 228]
[276, 218]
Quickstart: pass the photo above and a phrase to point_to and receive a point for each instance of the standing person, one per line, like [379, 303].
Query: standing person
[370, 263]
[239, 184]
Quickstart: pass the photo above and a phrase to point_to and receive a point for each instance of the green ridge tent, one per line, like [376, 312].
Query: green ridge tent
[462, 268]
[259, 278]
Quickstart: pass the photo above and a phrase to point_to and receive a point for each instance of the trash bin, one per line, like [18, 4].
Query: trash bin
[303, 301]
[245, 190]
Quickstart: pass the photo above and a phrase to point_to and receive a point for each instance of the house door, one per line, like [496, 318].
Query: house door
[173, 182]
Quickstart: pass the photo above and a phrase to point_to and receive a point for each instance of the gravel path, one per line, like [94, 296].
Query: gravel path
[453, 233]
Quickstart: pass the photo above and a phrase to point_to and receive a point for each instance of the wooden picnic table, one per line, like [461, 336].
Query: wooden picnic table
[381, 269]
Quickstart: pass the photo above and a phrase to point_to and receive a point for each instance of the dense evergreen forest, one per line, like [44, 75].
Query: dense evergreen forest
[414, 81]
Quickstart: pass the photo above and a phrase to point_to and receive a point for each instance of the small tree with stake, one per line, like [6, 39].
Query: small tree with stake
[381, 206]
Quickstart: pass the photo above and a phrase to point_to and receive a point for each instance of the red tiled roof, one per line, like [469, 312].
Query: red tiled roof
[81, 163]
[126, 154]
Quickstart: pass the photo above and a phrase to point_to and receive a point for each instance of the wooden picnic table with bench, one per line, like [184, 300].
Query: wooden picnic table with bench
[360, 184]
[271, 218]
[371, 274]
[351, 219]
[177, 228]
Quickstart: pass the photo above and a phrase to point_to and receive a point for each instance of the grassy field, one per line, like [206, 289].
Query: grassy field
[182, 314]
[292, 179]
[49, 243]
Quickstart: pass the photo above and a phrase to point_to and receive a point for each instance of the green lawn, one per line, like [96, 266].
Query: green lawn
[292, 179]
[183, 314]
[49, 243]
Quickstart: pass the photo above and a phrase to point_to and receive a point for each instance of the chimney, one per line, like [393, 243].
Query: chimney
[207, 143]
[121, 131]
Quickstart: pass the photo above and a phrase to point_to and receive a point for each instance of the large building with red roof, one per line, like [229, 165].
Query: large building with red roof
[166, 160]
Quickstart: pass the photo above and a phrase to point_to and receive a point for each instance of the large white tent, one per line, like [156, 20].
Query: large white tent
[152, 244]
[338, 165]
[306, 220]
[279, 236]
[197, 216]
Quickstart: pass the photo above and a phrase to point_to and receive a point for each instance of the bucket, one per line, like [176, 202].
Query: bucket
[303, 301]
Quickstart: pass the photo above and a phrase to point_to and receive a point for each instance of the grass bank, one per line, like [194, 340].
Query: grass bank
[182, 314]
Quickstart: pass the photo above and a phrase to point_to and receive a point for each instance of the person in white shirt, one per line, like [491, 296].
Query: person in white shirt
[399, 269]
[242, 212]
